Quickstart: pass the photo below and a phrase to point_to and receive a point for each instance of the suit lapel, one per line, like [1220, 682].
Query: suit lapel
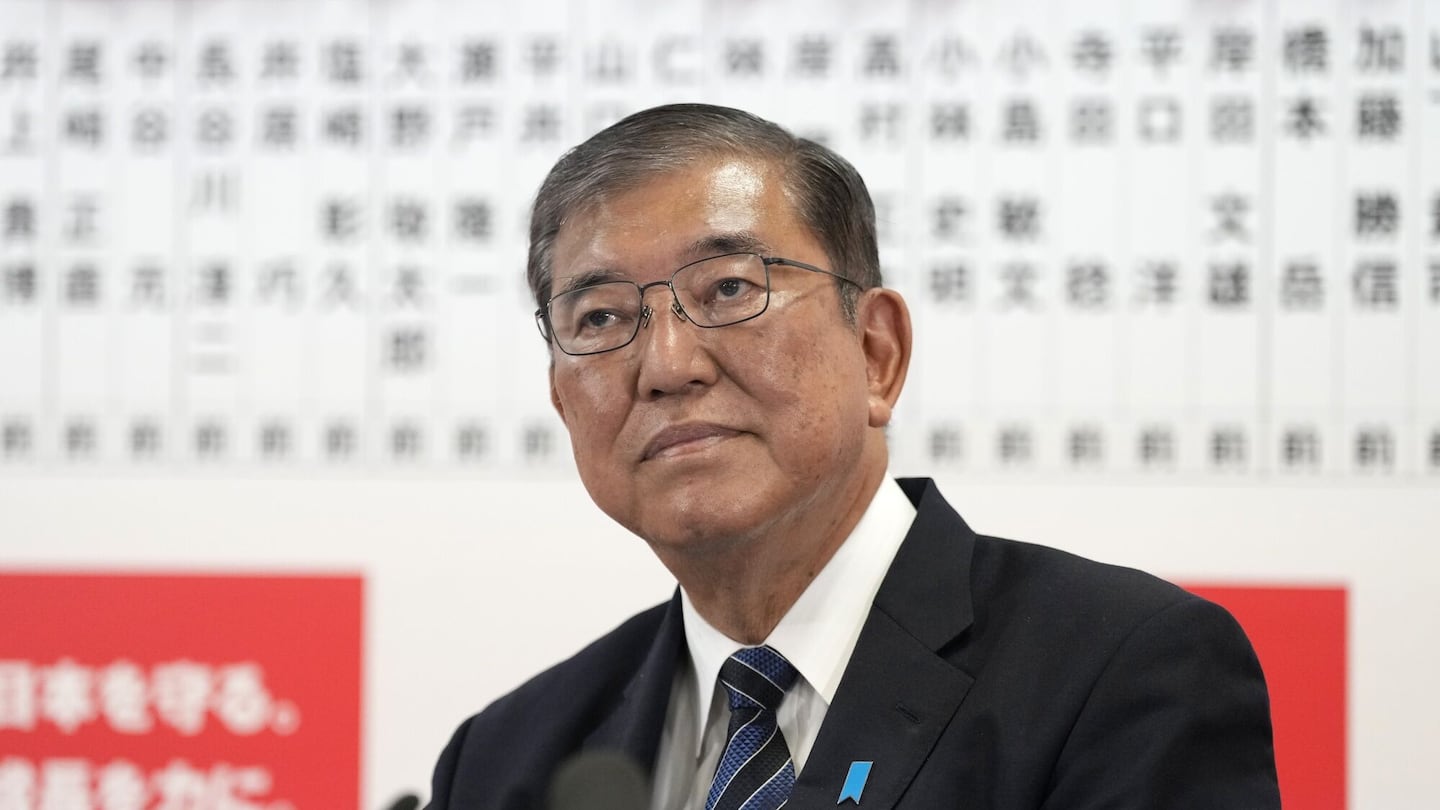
[635, 725]
[898, 694]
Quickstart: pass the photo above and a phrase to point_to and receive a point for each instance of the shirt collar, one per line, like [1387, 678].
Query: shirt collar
[820, 630]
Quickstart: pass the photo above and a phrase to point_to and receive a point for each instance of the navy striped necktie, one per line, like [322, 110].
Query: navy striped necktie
[755, 772]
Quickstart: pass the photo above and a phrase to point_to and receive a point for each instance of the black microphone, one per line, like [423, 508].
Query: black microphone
[407, 802]
[599, 780]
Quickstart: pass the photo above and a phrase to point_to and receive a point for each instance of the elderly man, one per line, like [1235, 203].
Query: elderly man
[726, 361]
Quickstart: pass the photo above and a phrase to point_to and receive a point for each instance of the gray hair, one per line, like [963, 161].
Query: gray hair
[828, 194]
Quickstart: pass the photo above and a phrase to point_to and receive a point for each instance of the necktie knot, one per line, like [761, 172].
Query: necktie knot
[757, 677]
[755, 771]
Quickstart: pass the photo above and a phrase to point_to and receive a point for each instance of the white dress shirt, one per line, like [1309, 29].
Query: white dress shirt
[817, 635]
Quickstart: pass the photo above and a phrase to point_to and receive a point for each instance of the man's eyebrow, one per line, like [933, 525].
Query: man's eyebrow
[718, 244]
[587, 278]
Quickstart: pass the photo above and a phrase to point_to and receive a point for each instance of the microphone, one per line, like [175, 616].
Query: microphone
[599, 780]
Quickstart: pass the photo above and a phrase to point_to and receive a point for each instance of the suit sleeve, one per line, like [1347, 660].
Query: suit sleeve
[445, 767]
[1179, 718]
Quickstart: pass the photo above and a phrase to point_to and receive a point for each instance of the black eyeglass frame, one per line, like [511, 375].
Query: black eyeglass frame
[542, 315]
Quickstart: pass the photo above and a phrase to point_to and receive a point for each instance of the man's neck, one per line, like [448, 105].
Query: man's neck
[745, 591]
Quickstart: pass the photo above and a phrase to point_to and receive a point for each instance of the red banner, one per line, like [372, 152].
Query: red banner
[131, 692]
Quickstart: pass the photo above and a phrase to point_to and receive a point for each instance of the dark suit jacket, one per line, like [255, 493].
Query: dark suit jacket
[989, 674]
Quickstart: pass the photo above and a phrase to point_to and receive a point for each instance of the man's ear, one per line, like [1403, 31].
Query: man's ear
[883, 323]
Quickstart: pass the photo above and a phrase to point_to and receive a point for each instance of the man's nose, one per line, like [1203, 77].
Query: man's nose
[673, 353]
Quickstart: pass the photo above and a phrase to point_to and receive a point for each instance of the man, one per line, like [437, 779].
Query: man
[726, 360]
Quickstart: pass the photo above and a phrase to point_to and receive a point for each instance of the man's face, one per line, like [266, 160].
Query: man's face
[701, 439]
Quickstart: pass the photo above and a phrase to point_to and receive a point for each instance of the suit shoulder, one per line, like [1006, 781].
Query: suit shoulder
[1037, 583]
[598, 671]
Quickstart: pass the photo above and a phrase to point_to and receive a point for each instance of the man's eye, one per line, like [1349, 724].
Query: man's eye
[731, 287]
[598, 319]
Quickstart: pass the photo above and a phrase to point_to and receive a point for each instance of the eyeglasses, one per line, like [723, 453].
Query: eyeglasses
[710, 293]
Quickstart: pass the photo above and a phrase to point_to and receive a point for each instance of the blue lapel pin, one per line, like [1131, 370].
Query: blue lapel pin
[855, 782]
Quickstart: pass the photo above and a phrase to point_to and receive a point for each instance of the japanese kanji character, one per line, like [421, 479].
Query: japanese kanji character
[84, 127]
[409, 219]
[537, 442]
[811, 56]
[1307, 50]
[1018, 285]
[1374, 448]
[1303, 118]
[1156, 446]
[144, 440]
[1092, 52]
[1157, 283]
[1159, 119]
[151, 58]
[79, 439]
[20, 283]
[1020, 121]
[948, 219]
[213, 283]
[1085, 446]
[478, 60]
[471, 442]
[408, 288]
[147, 285]
[1377, 214]
[120, 785]
[123, 689]
[1232, 119]
[1160, 47]
[67, 696]
[214, 128]
[342, 63]
[82, 285]
[180, 690]
[945, 443]
[18, 784]
[83, 62]
[610, 61]
[881, 121]
[406, 349]
[543, 56]
[410, 63]
[474, 221]
[1229, 284]
[1021, 54]
[1087, 284]
[1232, 50]
[1227, 447]
[405, 441]
[541, 123]
[1230, 211]
[241, 701]
[1092, 120]
[214, 65]
[15, 439]
[274, 442]
[1381, 50]
[19, 219]
[340, 285]
[344, 126]
[150, 128]
[950, 282]
[20, 61]
[339, 440]
[1013, 445]
[1300, 447]
[1376, 284]
[210, 442]
[65, 785]
[949, 121]
[280, 60]
[1377, 117]
[279, 126]
[17, 689]
[1301, 285]
[882, 57]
